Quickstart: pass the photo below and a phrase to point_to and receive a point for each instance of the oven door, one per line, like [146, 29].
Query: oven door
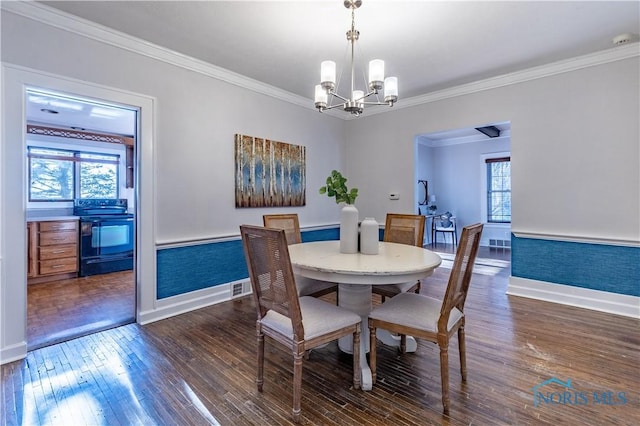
[106, 237]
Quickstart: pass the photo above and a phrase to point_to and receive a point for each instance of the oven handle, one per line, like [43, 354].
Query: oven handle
[126, 219]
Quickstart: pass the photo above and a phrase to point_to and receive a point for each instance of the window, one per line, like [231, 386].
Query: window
[498, 189]
[62, 175]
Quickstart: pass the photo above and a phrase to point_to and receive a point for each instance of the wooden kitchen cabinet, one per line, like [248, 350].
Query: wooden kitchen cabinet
[32, 249]
[53, 250]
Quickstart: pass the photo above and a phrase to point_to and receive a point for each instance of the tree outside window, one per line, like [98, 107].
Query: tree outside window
[61, 175]
[499, 190]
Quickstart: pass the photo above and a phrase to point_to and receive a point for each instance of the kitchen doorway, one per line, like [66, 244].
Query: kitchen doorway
[81, 152]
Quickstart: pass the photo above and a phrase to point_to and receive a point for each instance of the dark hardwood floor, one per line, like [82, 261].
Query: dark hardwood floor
[67, 309]
[199, 368]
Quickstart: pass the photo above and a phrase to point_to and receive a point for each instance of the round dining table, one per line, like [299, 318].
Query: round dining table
[356, 273]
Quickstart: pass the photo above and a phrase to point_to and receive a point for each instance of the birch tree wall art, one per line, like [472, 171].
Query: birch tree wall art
[269, 173]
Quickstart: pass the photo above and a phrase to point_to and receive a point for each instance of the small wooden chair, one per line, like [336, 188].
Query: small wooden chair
[291, 226]
[298, 323]
[431, 319]
[403, 229]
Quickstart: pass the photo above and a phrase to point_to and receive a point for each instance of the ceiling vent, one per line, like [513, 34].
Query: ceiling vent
[491, 131]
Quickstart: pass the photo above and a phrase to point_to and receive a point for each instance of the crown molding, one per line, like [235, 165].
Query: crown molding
[67, 22]
[83, 27]
[567, 65]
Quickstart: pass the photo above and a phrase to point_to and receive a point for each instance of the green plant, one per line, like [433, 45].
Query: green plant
[337, 187]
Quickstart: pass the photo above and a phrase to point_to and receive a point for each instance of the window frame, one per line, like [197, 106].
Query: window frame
[489, 190]
[482, 190]
[76, 157]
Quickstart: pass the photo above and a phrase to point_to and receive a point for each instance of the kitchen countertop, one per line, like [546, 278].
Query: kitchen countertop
[42, 215]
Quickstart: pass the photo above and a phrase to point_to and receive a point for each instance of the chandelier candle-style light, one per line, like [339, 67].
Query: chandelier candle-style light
[356, 102]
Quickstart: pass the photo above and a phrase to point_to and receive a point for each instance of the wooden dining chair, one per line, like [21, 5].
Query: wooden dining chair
[403, 229]
[431, 319]
[291, 226]
[298, 323]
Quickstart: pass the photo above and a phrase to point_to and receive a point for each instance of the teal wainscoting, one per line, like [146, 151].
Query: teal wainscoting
[184, 269]
[611, 268]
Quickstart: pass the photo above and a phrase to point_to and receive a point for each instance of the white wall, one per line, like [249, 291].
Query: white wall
[188, 172]
[575, 138]
[574, 146]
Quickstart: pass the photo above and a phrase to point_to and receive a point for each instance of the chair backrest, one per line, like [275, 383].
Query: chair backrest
[274, 287]
[446, 221]
[404, 229]
[288, 222]
[460, 277]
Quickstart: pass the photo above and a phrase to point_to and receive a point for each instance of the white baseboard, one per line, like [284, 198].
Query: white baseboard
[191, 301]
[13, 353]
[603, 301]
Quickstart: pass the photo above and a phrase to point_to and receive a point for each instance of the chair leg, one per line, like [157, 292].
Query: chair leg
[297, 384]
[356, 360]
[372, 353]
[444, 377]
[260, 377]
[403, 343]
[463, 353]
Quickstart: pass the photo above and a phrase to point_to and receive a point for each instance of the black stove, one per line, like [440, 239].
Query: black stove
[106, 235]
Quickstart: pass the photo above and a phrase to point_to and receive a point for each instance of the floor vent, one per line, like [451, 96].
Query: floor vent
[500, 243]
[236, 290]
[240, 289]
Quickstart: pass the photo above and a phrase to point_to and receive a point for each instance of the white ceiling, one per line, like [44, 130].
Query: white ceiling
[428, 45]
[47, 108]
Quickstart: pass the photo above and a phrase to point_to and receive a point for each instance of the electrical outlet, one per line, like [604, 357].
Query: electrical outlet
[394, 196]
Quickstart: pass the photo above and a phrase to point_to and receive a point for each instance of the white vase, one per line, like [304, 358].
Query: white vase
[369, 234]
[349, 229]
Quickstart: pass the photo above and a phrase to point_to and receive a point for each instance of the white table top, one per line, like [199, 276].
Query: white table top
[394, 263]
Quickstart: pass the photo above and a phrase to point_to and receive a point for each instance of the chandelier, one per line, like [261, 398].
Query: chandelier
[356, 101]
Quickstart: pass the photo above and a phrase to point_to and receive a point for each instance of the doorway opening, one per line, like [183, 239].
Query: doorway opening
[80, 152]
[460, 168]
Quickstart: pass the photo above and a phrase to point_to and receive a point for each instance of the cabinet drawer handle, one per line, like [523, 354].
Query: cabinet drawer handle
[57, 266]
[58, 251]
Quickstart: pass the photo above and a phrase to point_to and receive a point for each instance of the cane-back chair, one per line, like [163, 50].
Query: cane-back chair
[291, 225]
[432, 319]
[298, 323]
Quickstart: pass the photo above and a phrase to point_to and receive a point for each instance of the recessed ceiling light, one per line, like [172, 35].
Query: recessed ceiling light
[105, 112]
